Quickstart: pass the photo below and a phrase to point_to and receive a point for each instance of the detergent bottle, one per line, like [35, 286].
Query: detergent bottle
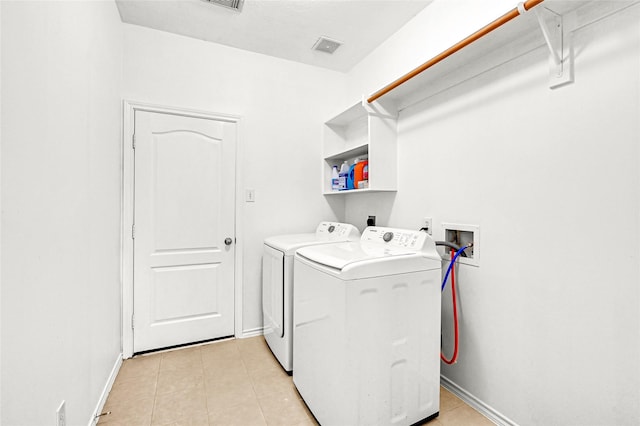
[342, 176]
[364, 183]
[335, 179]
[351, 183]
[358, 173]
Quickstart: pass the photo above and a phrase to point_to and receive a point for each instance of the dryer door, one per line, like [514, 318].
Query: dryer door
[273, 291]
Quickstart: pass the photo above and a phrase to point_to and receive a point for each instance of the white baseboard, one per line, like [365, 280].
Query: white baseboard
[106, 390]
[484, 409]
[253, 332]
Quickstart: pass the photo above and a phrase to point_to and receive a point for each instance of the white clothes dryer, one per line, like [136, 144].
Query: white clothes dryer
[277, 283]
[367, 329]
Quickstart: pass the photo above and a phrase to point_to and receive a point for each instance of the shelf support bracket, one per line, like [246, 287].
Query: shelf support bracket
[559, 42]
[380, 108]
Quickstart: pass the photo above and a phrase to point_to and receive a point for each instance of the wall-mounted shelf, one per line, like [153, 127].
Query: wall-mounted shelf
[357, 151]
[362, 131]
[357, 191]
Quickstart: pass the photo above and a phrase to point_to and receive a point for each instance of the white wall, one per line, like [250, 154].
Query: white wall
[550, 320]
[436, 28]
[282, 105]
[61, 71]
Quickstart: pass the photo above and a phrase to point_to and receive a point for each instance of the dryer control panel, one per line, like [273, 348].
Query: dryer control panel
[414, 240]
[335, 231]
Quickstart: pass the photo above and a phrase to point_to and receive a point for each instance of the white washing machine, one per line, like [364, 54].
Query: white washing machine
[277, 283]
[367, 329]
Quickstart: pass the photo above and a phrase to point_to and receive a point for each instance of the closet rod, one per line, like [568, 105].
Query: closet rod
[522, 7]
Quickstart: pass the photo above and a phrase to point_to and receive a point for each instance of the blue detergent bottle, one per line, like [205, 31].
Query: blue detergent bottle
[343, 175]
[335, 179]
[351, 184]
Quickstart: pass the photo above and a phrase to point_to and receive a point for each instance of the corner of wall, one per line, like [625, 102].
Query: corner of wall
[97, 413]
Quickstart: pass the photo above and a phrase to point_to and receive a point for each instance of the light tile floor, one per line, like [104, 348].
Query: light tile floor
[232, 382]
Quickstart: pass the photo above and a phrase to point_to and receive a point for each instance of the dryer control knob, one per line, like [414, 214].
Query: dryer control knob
[388, 236]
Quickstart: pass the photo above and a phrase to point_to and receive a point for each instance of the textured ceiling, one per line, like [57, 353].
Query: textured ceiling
[285, 29]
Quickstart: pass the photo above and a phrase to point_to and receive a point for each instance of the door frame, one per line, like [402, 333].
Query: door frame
[127, 203]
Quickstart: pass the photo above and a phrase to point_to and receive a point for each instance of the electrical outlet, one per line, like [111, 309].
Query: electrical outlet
[371, 221]
[427, 222]
[61, 415]
[250, 196]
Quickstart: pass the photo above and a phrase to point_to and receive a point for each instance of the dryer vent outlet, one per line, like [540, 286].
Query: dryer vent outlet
[462, 235]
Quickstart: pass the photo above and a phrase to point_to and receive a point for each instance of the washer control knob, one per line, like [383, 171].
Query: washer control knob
[332, 228]
[388, 236]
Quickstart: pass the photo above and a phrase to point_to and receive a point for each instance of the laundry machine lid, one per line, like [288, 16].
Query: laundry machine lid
[326, 232]
[380, 251]
[289, 243]
[341, 255]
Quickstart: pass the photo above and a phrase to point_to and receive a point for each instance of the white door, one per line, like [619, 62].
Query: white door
[184, 189]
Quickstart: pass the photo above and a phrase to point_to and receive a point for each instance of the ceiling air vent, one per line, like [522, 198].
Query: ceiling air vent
[327, 45]
[229, 4]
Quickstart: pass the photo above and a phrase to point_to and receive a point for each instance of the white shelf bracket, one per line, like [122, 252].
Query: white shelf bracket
[559, 43]
[380, 108]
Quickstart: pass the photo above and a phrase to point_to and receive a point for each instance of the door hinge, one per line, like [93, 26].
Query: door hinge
[133, 141]
[133, 318]
[133, 231]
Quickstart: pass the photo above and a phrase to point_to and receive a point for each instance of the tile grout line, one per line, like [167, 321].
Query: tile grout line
[255, 394]
[204, 385]
[155, 391]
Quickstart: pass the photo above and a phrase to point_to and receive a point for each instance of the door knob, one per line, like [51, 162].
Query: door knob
[228, 241]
